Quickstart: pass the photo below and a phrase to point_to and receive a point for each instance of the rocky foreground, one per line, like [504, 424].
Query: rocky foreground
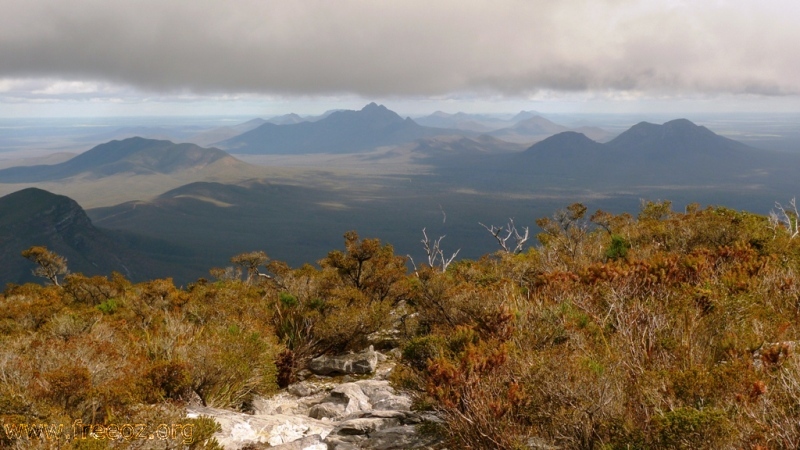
[344, 403]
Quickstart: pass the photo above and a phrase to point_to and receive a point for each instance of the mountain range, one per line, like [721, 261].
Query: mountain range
[674, 144]
[525, 127]
[462, 121]
[676, 153]
[340, 132]
[537, 127]
[301, 215]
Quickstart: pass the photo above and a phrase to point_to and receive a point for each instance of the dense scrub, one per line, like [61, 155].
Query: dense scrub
[667, 330]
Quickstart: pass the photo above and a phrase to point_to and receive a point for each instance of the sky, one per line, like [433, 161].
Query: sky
[269, 57]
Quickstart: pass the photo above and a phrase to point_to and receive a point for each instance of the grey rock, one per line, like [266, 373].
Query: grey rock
[399, 438]
[375, 387]
[356, 363]
[238, 429]
[302, 389]
[304, 374]
[393, 402]
[365, 426]
[279, 404]
[345, 442]
[327, 411]
[313, 442]
[385, 339]
[356, 399]
[382, 395]
[326, 414]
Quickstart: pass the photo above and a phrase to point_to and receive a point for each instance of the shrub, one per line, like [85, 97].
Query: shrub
[692, 428]
[618, 249]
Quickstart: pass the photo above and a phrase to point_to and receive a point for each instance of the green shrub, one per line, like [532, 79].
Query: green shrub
[690, 428]
[618, 249]
[108, 307]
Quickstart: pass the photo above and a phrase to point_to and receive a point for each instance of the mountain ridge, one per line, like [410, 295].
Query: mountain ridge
[346, 131]
[133, 155]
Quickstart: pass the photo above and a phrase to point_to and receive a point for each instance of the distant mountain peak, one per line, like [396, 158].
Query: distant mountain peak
[346, 131]
[569, 136]
[681, 122]
[679, 138]
[440, 114]
[564, 147]
[31, 202]
[565, 140]
[372, 106]
[522, 115]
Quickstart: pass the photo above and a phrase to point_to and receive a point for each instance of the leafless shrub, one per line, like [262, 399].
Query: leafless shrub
[505, 233]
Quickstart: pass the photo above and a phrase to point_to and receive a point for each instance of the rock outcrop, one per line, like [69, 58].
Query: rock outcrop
[323, 413]
[354, 363]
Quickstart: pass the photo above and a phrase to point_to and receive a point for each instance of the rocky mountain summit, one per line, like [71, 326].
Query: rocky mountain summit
[357, 409]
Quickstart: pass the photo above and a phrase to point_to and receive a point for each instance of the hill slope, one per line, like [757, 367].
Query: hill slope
[646, 160]
[678, 150]
[134, 155]
[36, 217]
[340, 132]
[678, 138]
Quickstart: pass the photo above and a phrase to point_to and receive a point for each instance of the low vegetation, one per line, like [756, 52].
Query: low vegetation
[665, 330]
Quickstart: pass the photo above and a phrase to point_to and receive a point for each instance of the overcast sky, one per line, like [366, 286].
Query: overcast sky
[101, 57]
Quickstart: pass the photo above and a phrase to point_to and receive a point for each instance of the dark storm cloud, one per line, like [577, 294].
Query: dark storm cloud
[407, 47]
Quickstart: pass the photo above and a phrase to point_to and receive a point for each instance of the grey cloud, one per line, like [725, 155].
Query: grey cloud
[408, 47]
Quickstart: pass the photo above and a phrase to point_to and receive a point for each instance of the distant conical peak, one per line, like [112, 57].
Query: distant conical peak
[569, 136]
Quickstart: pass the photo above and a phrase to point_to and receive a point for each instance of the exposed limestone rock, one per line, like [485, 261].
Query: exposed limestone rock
[303, 389]
[319, 414]
[365, 426]
[355, 363]
[327, 410]
[397, 438]
[356, 399]
[313, 442]
[239, 429]
[382, 396]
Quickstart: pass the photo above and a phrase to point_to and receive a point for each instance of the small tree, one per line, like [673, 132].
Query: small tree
[50, 265]
[250, 262]
[566, 230]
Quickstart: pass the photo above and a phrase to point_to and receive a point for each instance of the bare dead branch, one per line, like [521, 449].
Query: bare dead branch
[503, 234]
[434, 252]
[787, 217]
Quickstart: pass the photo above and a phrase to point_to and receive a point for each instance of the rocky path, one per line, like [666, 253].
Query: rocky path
[328, 413]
